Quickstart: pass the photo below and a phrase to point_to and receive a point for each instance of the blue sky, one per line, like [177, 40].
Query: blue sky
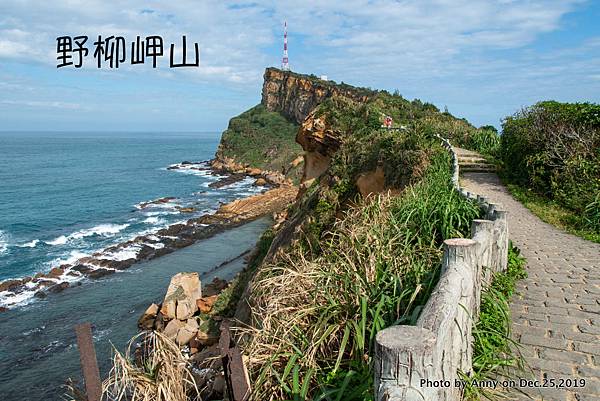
[482, 59]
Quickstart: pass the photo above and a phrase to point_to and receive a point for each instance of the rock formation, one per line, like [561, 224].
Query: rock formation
[296, 95]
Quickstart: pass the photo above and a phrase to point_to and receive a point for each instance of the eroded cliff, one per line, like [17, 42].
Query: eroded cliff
[296, 95]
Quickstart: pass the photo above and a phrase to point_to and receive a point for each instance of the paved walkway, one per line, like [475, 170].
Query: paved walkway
[556, 315]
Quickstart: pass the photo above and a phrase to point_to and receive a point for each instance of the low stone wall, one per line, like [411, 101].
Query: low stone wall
[420, 362]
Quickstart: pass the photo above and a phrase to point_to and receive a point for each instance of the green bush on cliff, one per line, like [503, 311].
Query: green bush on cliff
[554, 149]
[261, 138]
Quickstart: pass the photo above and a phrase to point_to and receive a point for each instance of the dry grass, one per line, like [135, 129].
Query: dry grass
[316, 314]
[157, 371]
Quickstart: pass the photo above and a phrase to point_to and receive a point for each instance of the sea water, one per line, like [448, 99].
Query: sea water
[63, 196]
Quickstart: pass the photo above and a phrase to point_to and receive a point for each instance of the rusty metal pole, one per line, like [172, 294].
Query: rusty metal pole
[89, 364]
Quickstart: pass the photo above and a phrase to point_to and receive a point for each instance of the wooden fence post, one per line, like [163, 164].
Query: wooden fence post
[89, 364]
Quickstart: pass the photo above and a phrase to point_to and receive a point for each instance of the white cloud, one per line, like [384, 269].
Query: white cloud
[45, 104]
[444, 49]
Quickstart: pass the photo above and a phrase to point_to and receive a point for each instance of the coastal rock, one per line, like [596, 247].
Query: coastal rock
[55, 272]
[9, 285]
[160, 322]
[99, 273]
[158, 201]
[205, 304]
[207, 356]
[40, 294]
[231, 179]
[58, 287]
[253, 172]
[180, 300]
[208, 332]
[146, 321]
[187, 332]
[260, 182]
[186, 209]
[215, 287]
[173, 328]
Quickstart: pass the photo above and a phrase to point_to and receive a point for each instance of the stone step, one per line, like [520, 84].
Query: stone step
[471, 159]
[476, 167]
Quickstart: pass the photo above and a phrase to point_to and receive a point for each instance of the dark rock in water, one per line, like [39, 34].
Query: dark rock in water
[186, 209]
[3, 309]
[98, 273]
[233, 178]
[9, 285]
[55, 272]
[83, 269]
[115, 264]
[183, 242]
[145, 252]
[183, 163]
[58, 287]
[172, 231]
[40, 294]
[45, 283]
[166, 199]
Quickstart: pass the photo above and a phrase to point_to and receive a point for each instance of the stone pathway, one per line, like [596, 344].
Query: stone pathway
[556, 314]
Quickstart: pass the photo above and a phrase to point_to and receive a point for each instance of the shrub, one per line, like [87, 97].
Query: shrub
[554, 149]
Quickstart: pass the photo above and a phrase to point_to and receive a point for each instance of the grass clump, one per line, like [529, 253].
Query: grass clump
[157, 371]
[315, 315]
[495, 353]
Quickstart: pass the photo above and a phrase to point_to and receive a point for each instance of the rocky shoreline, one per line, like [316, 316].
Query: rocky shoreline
[145, 247]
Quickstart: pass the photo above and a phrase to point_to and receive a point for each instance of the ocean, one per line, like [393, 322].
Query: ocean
[66, 195]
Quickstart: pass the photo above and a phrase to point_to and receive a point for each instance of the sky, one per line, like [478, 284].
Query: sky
[483, 60]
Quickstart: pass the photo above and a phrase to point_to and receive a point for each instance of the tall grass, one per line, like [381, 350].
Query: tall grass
[316, 316]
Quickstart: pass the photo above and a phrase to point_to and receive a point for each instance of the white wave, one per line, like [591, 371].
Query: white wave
[159, 213]
[58, 241]
[240, 184]
[31, 244]
[123, 254]
[105, 230]
[8, 299]
[3, 242]
[154, 220]
[155, 245]
[73, 257]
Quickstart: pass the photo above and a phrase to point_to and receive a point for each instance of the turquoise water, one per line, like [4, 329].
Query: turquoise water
[37, 342]
[63, 196]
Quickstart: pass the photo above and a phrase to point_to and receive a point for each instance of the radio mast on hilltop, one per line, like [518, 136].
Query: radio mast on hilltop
[284, 62]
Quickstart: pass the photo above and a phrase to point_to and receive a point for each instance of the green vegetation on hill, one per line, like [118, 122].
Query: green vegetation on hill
[355, 266]
[261, 138]
[552, 149]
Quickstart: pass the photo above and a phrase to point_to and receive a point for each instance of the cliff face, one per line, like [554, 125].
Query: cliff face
[295, 95]
[266, 136]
